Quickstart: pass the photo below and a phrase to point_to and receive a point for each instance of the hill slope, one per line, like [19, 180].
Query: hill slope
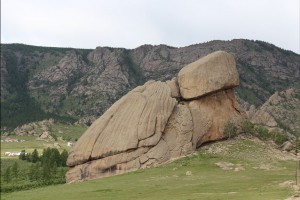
[281, 110]
[243, 168]
[77, 83]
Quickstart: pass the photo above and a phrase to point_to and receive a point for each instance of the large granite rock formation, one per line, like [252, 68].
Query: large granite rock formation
[160, 121]
[213, 72]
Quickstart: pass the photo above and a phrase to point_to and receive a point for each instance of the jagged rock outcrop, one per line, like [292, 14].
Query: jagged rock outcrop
[34, 128]
[155, 123]
[281, 110]
[81, 83]
[45, 136]
[97, 78]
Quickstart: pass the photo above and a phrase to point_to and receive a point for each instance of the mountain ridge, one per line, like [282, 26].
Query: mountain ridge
[83, 83]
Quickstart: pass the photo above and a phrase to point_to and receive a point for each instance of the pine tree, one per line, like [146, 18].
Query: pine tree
[15, 170]
[31, 172]
[28, 157]
[54, 157]
[34, 172]
[7, 176]
[46, 173]
[22, 156]
[64, 157]
[35, 156]
[46, 155]
[54, 170]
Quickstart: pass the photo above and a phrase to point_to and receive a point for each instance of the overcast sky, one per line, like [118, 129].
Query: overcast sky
[131, 23]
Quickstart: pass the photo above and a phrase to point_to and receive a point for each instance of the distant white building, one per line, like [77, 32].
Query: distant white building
[10, 154]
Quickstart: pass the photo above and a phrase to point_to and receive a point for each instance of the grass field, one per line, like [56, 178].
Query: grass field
[31, 142]
[29, 145]
[72, 132]
[262, 170]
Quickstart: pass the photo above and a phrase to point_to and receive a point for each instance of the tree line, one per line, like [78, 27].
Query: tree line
[45, 166]
[45, 169]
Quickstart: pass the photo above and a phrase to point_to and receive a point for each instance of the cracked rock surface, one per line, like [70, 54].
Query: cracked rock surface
[155, 123]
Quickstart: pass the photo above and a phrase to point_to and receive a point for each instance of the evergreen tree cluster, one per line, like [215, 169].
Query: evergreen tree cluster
[11, 172]
[47, 168]
[50, 156]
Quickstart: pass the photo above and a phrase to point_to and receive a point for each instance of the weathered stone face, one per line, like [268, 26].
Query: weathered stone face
[136, 120]
[148, 127]
[273, 111]
[173, 84]
[209, 74]
[179, 132]
[211, 113]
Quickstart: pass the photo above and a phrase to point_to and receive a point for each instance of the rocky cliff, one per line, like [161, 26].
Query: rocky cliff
[160, 121]
[82, 84]
[281, 110]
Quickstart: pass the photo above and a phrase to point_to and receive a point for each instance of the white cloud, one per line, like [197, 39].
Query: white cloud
[131, 23]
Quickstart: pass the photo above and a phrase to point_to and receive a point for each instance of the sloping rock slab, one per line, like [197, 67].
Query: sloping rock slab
[137, 120]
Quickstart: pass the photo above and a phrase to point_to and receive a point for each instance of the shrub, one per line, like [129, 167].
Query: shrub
[66, 138]
[54, 136]
[230, 130]
[262, 133]
[279, 138]
[248, 127]
[296, 133]
[284, 126]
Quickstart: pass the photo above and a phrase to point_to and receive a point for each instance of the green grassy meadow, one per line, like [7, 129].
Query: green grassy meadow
[28, 145]
[71, 132]
[59, 130]
[264, 168]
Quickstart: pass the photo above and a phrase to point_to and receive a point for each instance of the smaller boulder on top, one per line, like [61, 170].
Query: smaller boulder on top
[214, 72]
